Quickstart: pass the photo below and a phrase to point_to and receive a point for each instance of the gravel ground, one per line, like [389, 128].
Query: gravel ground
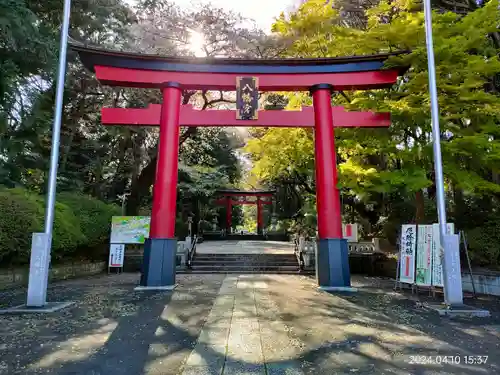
[111, 330]
[296, 328]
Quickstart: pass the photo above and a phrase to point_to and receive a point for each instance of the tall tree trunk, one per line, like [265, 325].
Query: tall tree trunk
[431, 190]
[140, 186]
[458, 200]
[420, 207]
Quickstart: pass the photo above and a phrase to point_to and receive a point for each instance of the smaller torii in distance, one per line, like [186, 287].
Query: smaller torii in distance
[233, 197]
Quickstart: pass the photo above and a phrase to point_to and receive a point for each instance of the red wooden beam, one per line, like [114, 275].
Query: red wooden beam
[236, 203]
[189, 116]
[245, 193]
[125, 77]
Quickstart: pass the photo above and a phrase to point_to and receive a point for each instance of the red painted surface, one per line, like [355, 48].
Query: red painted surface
[227, 81]
[229, 203]
[223, 202]
[304, 118]
[229, 214]
[327, 193]
[165, 188]
[348, 230]
[245, 194]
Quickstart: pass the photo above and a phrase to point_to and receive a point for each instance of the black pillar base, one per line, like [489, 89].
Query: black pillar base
[158, 267]
[332, 264]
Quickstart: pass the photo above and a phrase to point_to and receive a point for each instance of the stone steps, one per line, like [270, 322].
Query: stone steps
[224, 272]
[249, 267]
[245, 263]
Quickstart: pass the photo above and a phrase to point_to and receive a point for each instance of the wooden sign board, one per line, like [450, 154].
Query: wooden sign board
[247, 98]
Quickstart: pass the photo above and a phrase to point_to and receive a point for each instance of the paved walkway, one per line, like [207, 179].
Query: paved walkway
[242, 324]
[245, 247]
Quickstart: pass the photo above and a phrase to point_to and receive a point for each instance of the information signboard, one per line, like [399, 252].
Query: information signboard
[350, 232]
[129, 229]
[407, 253]
[116, 255]
[423, 274]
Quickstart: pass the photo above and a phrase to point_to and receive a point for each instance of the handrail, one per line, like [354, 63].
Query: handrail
[298, 250]
[192, 251]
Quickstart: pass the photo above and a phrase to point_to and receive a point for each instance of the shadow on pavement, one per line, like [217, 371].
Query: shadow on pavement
[114, 330]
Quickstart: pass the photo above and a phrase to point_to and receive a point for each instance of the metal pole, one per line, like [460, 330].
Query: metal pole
[436, 134]
[452, 280]
[56, 127]
[41, 242]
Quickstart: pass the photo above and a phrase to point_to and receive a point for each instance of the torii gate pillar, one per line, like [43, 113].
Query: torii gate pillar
[332, 259]
[161, 247]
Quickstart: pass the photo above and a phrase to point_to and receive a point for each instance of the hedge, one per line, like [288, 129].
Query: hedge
[81, 223]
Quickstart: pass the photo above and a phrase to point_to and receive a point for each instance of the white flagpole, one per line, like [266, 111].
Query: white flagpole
[449, 280]
[40, 259]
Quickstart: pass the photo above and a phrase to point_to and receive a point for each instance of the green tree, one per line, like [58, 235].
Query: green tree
[380, 168]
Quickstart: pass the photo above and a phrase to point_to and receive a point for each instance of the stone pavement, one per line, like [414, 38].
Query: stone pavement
[242, 324]
[245, 247]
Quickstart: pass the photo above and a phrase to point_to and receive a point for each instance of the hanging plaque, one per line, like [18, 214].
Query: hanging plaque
[247, 98]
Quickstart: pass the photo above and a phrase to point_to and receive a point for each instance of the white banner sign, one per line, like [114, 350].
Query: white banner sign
[116, 255]
[421, 261]
[350, 232]
[407, 253]
[437, 260]
[423, 275]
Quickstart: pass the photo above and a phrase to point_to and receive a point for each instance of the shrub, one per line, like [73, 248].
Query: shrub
[94, 216]
[67, 235]
[81, 225]
[484, 244]
[20, 215]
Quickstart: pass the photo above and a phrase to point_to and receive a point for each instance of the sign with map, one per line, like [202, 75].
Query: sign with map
[129, 229]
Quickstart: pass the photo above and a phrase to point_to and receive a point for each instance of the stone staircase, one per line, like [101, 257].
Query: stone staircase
[245, 263]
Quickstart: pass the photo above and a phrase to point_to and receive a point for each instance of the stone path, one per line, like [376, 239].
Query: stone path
[245, 247]
[242, 324]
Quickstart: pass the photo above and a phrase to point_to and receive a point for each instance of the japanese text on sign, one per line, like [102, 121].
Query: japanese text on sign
[407, 255]
[116, 255]
[247, 98]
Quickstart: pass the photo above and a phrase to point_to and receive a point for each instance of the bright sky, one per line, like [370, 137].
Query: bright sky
[262, 11]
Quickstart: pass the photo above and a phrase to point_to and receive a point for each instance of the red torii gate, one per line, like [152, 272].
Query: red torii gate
[228, 201]
[171, 75]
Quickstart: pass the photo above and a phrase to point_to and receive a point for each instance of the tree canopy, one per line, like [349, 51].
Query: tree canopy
[382, 171]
